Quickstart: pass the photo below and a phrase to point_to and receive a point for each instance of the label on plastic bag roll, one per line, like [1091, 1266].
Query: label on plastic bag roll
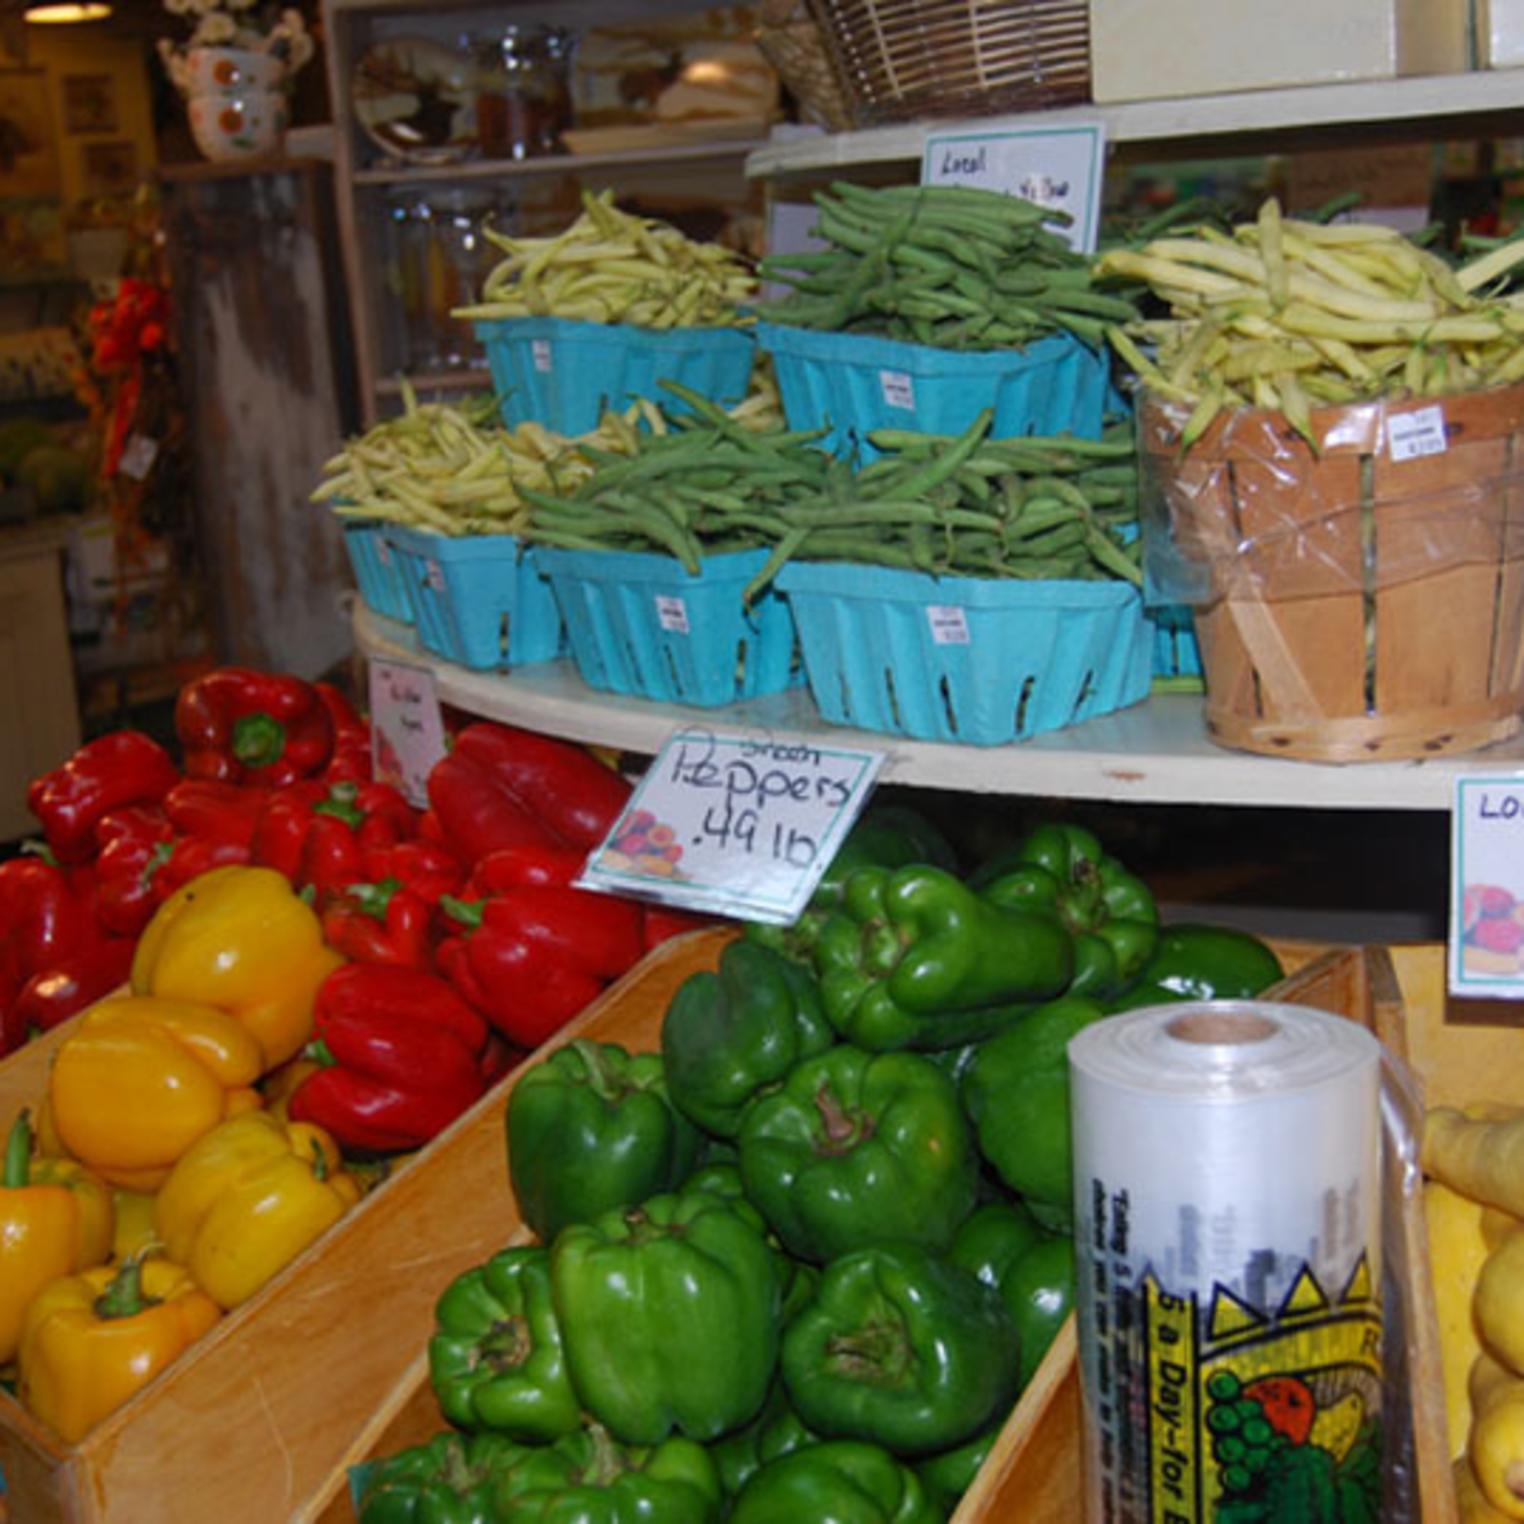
[1227, 1233]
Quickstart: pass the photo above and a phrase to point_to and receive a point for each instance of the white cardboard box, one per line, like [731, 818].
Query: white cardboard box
[1145, 49]
[1500, 34]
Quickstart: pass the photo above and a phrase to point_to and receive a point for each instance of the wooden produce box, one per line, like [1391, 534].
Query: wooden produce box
[258, 1423]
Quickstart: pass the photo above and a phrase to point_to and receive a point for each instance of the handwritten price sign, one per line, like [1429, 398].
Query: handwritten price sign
[734, 825]
[407, 729]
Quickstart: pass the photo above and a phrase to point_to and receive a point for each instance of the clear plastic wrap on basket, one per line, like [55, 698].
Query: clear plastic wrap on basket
[1363, 600]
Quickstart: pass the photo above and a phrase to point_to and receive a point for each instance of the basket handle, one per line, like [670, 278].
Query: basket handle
[1280, 674]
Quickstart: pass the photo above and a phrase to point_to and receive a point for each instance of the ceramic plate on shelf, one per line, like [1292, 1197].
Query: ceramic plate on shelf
[415, 100]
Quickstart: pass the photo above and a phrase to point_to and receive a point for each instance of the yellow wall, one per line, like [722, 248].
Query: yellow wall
[66, 50]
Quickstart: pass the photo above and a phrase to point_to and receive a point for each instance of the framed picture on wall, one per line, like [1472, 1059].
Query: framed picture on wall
[89, 103]
[28, 159]
[108, 169]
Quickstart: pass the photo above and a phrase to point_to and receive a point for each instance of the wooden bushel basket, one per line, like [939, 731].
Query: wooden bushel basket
[1365, 608]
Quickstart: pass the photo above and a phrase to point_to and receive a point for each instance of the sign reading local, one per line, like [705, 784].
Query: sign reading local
[1486, 937]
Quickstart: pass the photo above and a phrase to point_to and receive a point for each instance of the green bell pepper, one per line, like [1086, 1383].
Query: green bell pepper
[1203, 963]
[670, 1316]
[591, 1128]
[902, 1349]
[450, 1480]
[947, 1475]
[775, 1431]
[1016, 1091]
[496, 1359]
[587, 1478]
[857, 1148]
[839, 1482]
[731, 1034]
[884, 836]
[992, 1238]
[916, 959]
[1063, 871]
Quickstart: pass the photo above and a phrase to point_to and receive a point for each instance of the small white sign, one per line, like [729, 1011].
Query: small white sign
[435, 575]
[1486, 941]
[672, 614]
[138, 456]
[898, 388]
[1410, 436]
[1059, 167]
[949, 624]
[406, 728]
[734, 825]
[383, 550]
[539, 350]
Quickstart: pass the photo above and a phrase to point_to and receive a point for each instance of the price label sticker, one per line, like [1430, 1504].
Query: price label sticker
[1486, 934]
[539, 351]
[138, 456]
[734, 825]
[898, 389]
[949, 624]
[1057, 167]
[672, 614]
[1410, 436]
[435, 575]
[406, 728]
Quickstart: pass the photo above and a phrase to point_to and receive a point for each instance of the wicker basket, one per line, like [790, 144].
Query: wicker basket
[899, 59]
[790, 41]
[1362, 608]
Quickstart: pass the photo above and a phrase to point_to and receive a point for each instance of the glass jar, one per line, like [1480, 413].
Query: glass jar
[459, 259]
[510, 94]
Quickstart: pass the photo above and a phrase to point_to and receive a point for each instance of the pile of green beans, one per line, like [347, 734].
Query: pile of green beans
[964, 505]
[943, 265]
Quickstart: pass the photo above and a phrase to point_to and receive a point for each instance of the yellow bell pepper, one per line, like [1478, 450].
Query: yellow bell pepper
[247, 1199]
[55, 1218]
[281, 1084]
[134, 1224]
[137, 1081]
[91, 1341]
[242, 940]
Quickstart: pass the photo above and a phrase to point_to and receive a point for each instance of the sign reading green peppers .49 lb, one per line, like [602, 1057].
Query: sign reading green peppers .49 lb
[591, 1128]
[670, 1314]
[857, 1148]
[1063, 871]
[916, 959]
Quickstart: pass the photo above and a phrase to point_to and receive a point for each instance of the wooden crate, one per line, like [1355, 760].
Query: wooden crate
[260, 1420]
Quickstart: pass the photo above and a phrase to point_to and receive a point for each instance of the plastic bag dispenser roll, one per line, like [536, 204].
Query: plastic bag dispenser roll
[1227, 1182]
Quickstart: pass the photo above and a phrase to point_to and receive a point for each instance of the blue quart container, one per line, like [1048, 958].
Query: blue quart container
[377, 572]
[640, 623]
[978, 660]
[479, 600]
[1177, 656]
[564, 375]
[856, 383]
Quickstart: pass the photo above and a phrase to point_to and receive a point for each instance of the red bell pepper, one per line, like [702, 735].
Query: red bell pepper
[43, 925]
[318, 833]
[215, 811]
[351, 760]
[420, 867]
[523, 868]
[531, 957]
[133, 842]
[380, 923]
[401, 1058]
[122, 768]
[70, 984]
[657, 924]
[189, 858]
[502, 787]
[241, 726]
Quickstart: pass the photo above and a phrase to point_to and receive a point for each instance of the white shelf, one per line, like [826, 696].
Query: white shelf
[555, 164]
[1154, 753]
[1483, 92]
[472, 380]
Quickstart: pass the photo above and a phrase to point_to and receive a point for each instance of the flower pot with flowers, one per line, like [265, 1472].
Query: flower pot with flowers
[234, 70]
